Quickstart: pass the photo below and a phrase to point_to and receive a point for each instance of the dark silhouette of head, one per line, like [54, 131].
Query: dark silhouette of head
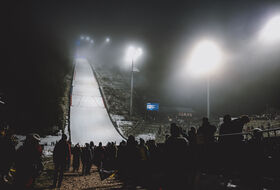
[122, 143]
[174, 130]
[205, 121]
[100, 144]
[193, 129]
[131, 140]
[142, 142]
[257, 134]
[91, 144]
[245, 119]
[166, 136]
[63, 137]
[227, 118]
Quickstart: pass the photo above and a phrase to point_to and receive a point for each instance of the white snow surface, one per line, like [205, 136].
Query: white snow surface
[117, 117]
[89, 120]
[48, 142]
[119, 120]
[148, 136]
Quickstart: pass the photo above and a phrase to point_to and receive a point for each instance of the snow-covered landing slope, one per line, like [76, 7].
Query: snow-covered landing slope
[89, 120]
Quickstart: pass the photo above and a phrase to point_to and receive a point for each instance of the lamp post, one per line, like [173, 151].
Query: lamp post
[205, 59]
[132, 54]
[208, 97]
[131, 89]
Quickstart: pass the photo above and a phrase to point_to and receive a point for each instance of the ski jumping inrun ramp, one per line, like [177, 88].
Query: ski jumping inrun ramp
[89, 119]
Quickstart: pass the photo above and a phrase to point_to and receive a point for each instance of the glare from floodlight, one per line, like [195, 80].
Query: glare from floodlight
[82, 37]
[132, 54]
[91, 41]
[87, 38]
[108, 40]
[205, 58]
[271, 32]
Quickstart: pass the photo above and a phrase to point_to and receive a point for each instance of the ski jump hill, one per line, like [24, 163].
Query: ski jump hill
[89, 118]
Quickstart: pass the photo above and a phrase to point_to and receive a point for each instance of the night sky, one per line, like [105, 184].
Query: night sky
[39, 46]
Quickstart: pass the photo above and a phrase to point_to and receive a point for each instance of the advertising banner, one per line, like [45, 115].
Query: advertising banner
[152, 106]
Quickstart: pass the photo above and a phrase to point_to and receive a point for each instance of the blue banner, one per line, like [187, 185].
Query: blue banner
[152, 106]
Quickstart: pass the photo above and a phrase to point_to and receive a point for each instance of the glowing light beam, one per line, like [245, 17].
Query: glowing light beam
[205, 58]
[271, 31]
[133, 53]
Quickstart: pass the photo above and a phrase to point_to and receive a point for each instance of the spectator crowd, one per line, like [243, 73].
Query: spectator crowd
[178, 163]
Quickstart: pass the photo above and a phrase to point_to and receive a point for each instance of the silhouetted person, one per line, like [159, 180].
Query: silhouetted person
[225, 128]
[257, 136]
[121, 156]
[91, 147]
[153, 152]
[176, 158]
[205, 147]
[99, 155]
[144, 157]
[234, 150]
[207, 131]
[226, 147]
[131, 156]
[77, 152]
[167, 136]
[237, 127]
[61, 155]
[143, 150]
[253, 170]
[69, 160]
[28, 162]
[89, 155]
[192, 136]
[86, 159]
[110, 156]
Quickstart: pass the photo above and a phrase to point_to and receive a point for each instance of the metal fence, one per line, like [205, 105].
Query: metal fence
[267, 133]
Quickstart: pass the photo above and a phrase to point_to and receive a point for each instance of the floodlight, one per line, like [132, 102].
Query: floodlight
[205, 58]
[271, 32]
[132, 53]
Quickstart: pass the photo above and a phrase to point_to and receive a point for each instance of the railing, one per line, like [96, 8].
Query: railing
[275, 132]
[248, 135]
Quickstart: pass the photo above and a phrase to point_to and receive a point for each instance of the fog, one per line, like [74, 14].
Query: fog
[247, 82]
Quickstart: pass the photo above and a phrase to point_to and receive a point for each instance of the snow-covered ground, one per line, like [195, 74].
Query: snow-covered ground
[48, 142]
[89, 120]
[117, 117]
[148, 136]
[119, 120]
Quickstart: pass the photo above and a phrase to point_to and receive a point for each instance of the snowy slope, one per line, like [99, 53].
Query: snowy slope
[89, 120]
